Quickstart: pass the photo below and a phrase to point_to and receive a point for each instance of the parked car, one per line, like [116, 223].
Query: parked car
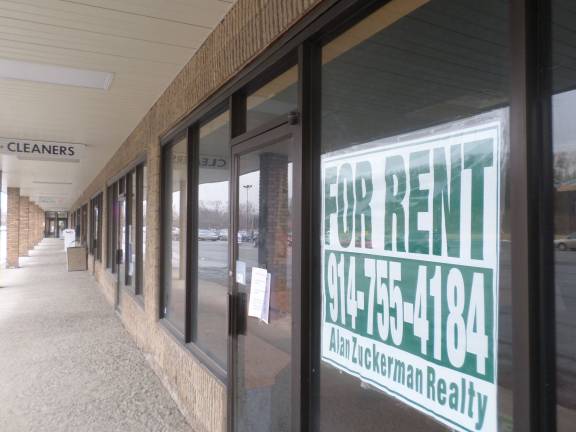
[566, 243]
[205, 234]
[243, 236]
[223, 234]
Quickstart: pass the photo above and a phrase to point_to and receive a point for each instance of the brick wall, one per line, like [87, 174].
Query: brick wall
[13, 228]
[248, 28]
[24, 225]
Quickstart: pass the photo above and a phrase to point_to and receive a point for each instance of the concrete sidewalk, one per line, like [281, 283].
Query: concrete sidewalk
[66, 362]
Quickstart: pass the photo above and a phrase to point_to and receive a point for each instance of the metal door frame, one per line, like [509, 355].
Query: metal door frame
[237, 314]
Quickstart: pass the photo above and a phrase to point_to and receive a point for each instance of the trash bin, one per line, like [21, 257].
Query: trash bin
[77, 258]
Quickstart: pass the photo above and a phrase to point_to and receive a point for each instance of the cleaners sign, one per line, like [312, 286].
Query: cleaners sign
[410, 271]
[40, 150]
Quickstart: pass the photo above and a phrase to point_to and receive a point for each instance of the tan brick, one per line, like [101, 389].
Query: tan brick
[248, 28]
[13, 227]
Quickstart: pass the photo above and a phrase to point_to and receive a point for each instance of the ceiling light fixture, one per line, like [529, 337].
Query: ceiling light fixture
[53, 74]
[51, 182]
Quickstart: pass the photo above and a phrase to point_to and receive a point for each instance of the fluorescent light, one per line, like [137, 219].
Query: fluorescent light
[53, 74]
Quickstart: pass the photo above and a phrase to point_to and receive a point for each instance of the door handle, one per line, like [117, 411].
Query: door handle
[237, 314]
[242, 320]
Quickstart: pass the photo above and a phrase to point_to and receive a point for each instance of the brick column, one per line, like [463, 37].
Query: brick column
[24, 225]
[274, 227]
[13, 228]
[32, 226]
[38, 224]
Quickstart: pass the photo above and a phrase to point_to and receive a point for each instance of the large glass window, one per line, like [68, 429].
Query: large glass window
[109, 228]
[95, 226]
[141, 232]
[175, 217]
[3, 231]
[564, 146]
[131, 249]
[276, 97]
[210, 317]
[416, 317]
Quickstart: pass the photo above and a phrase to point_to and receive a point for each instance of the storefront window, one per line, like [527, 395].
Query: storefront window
[176, 160]
[210, 315]
[564, 146]
[3, 231]
[278, 96]
[416, 317]
[131, 249]
[143, 185]
[109, 228]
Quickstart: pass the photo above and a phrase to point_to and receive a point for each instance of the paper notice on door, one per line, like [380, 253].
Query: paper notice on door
[259, 302]
[241, 272]
[266, 305]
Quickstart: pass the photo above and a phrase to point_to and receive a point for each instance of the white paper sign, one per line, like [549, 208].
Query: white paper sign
[241, 272]
[259, 302]
[266, 305]
[69, 238]
[410, 270]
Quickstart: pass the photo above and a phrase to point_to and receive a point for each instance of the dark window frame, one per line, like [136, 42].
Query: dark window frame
[140, 224]
[120, 187]
[166, 236]
[95, 225]
[109, 228]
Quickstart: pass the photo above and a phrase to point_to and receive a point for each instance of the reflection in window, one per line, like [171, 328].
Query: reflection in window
[265, 225]
[409, 73]
[109, 228]
[131, 231]
[213, 237]
[279, 96]
[175, 241]
[3, 231]
[564, 146]
[143, 173]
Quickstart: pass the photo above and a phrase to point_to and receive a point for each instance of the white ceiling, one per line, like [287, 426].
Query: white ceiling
[144, 43]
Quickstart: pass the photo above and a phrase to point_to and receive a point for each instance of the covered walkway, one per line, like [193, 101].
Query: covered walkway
[66, 362]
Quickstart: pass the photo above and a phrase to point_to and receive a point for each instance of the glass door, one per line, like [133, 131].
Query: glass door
[264, 287]
[52, 227]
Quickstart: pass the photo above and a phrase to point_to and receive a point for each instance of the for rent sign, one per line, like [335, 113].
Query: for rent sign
[410, 271]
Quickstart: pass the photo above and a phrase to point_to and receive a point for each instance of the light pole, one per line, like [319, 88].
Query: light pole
[247, 187]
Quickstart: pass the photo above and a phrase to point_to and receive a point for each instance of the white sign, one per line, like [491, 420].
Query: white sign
[41, 150]
[410, 271]
[69, 238]
[259, 303]
[241, 272]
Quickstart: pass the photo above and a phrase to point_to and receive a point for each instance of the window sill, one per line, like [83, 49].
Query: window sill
[138, 298]
[199, 355]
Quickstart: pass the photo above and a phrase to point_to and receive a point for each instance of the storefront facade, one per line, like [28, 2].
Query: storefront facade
[355, 215]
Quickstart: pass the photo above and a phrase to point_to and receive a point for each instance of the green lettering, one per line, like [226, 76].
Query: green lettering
[477, 157]
[330, 176]
[418, 240]
[345, 207]
[441, 391]
[430, 383]
[446, 201]
[364, 190]
[394, 196]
